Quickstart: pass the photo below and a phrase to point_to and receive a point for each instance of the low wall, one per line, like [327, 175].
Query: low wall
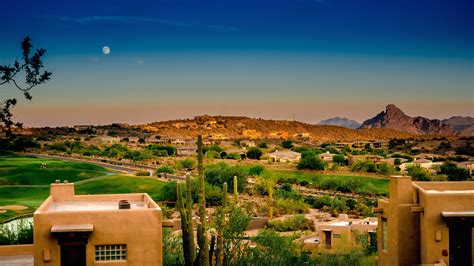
[13, 250]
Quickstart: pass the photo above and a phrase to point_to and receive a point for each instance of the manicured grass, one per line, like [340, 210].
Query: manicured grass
[26, 170]
[32, 197]
[368, 184]
[118, 184]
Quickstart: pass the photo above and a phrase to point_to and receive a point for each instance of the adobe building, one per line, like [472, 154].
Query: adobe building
[108, 229]
[340, 234]
[429, 223]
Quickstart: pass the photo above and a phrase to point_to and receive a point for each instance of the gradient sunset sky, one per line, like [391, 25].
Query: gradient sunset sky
[180, 58]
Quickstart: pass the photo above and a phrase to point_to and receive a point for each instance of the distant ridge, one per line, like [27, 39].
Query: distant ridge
[340, 121]
[394, 118]
[234, 127]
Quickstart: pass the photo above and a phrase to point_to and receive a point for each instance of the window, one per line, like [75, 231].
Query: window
[384, 234]
[111, 252]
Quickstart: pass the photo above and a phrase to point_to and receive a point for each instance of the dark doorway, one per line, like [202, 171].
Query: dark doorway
[73, 255]
[460, 226]
[327, 236]
[460, 244]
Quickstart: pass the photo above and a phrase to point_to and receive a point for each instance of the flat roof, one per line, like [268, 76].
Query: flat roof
[63, 206]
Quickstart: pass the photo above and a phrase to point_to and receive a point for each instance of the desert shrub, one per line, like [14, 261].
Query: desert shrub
[318, 202]
[256, 170]
[454, 173]
[386, 169]
[353, 258]
[19, 232]
[217, 174]
[338, 159]
[263, 145]
[142, 173]
[186, 164]
[254, 153]
[273, 249]
[232, 156]
[290, 206]
[165, 169]
[364, 166]
[213, 155]
[294, 223]
[287, 144]
[161, 150]
[418, 174]
[172, 248]
[310, 161]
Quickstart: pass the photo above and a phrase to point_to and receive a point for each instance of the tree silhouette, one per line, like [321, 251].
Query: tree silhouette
[31, 66]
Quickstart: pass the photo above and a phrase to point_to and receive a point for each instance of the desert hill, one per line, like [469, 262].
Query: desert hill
[232, 127]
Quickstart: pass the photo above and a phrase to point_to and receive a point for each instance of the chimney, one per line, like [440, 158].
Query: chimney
[62, 191]
[124, 204]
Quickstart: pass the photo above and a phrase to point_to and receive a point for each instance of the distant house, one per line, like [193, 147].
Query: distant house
[340, 234]
[372, 158]
[278, 135]
[285, 156]
[327, 156]
[186, 150]
[247, 143]
[108, 139]
[468, 166]
[133, 139]
[423, 163]
[178, 142]
[241, 152]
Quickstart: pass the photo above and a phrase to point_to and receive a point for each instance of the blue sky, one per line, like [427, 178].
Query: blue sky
[176, 59]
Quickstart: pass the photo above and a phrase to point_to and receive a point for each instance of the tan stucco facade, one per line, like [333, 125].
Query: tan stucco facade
[340, 234]
[414, 225]
[97, 220]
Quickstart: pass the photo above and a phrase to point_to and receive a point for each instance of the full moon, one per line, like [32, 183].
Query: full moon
[106, 50]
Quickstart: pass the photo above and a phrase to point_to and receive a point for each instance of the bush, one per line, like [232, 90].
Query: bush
[454, 173]
[364, 166]
[263, 145]
[290, 206]
[386, 169]
[233, 156]
[213, 155]
[187, 164]
[294, 223]
[254, 153]
[217, 174]
[142, 173]
[418, 174]
[18, 232]
[162, 150]
[338, 158]
[287, 144]
[256, 170]
[310, 161]
[165, 169]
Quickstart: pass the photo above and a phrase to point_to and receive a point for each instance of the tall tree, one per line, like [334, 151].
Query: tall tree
[31, 66]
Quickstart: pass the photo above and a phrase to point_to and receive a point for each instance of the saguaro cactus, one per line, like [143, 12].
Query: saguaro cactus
[220, 227]
[186, 221]
[236, 191]
[270, 201]
[203, 241]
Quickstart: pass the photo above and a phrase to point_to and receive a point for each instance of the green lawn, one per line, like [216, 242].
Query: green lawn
[26, 170]
[32, 197]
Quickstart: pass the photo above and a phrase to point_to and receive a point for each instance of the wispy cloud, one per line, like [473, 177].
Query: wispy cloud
[127, 19]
